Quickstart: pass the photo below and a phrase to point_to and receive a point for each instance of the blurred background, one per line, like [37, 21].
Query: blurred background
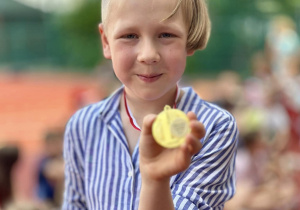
[51, 64]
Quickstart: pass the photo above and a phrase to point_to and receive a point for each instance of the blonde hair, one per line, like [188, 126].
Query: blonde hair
[104, 10]
[196, 17]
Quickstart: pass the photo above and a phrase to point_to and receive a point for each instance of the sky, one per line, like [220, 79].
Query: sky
[51, 5]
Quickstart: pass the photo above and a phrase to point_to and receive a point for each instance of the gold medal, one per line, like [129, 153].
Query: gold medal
[170, 127]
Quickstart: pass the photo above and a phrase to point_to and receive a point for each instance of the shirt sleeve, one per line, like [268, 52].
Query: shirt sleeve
[74, 196]
[210, 180]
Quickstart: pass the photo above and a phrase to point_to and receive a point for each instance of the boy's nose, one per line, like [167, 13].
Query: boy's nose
[148, 53]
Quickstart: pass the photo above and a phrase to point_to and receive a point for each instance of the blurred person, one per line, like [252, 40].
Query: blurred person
[276, 120]
[266, 106]
[252, 158]
[290, 89]
[290, 85]
[283, 48]
[50, 169]
[8, 157]
[250, 119]
[282, 43]
[264, 179]
[251, 164]
[112, 160]
[290, 99]
[254, 85]
[228, 90]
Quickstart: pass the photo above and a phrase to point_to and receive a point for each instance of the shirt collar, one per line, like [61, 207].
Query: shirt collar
[110, 105]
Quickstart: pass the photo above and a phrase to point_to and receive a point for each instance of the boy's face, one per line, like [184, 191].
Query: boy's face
[148, 54]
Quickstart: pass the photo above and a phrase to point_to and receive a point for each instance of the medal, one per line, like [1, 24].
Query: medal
[170, 127]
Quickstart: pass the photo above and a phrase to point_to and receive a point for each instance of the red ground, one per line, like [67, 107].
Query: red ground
[29, 105]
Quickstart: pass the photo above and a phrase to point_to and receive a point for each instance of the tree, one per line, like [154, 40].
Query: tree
[78, 34]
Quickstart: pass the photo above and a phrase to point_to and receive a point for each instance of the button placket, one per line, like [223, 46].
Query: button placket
[130, 174]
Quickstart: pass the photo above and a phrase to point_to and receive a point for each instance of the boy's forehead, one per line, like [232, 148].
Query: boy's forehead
[153, 9]
[105, 2]
[112, 6]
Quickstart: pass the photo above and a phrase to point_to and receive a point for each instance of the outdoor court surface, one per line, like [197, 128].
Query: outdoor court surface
[32, 103]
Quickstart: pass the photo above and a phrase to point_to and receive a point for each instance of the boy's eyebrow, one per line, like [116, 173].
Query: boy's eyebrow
[163, 27]
[171, 26]
[132, 26]
[125, 29]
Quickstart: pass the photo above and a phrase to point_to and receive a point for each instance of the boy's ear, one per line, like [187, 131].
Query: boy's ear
[190, 52]
[105, 43]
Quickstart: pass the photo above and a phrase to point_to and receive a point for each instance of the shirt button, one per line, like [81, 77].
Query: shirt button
[130, 173]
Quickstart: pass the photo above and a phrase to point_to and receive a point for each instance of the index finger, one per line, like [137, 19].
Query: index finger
[147, 124]
[197, 128]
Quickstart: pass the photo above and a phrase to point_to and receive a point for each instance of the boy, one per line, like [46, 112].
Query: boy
[112, 163]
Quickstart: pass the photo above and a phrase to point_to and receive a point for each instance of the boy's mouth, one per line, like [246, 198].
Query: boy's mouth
[149, 78]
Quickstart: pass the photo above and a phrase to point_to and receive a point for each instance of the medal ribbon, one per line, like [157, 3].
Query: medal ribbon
[130, 116]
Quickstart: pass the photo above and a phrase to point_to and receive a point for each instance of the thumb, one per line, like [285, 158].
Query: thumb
[147, 124]
[148, 146]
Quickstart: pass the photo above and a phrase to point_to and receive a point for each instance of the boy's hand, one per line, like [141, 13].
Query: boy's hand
[158, 163]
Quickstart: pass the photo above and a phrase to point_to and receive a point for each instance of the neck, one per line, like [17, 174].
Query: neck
[140, 108]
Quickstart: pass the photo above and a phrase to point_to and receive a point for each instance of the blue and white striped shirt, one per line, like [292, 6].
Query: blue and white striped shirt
[102, 175]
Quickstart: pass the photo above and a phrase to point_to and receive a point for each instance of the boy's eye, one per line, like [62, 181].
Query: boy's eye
[166, 35]
[130, 36]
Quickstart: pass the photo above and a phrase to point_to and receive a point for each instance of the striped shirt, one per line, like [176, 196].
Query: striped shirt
[101, 174]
